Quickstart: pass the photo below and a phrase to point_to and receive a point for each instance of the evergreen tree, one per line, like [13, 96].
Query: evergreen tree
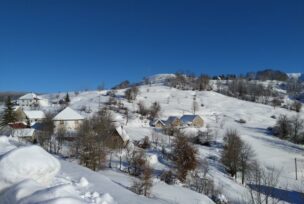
[9, 115]
[67, 98]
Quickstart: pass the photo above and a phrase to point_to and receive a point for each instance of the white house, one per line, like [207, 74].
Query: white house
[34, 115]
[68, 119]
[32, 100]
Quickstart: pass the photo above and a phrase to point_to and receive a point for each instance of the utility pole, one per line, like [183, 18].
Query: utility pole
[296, 168]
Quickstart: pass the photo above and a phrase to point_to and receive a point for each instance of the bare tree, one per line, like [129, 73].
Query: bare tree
[231, 153]
[262, 184]
[297, 106]
[246, 160]
[154, 110]
[136, 162]
[297, 124]
[44, 136]
[144, 185]
[131, 93]
[142, 108]
[283, 127]
[184, 156]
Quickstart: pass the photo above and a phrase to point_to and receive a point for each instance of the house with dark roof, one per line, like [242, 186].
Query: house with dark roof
[173, 121]
[192, 120]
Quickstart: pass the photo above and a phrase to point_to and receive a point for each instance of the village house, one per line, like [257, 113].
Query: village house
[173, 121]
[119, 138]
[20, 131]
[68, 119]
[158, 123]
[192, 120]
[31, 116]
[31, 100]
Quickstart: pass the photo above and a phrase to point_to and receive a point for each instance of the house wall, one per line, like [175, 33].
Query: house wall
[198, 122]
[27, 102]
[69, 125]
[176, 123]
[159, 125]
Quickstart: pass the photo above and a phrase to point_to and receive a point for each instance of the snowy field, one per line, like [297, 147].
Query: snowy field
[61, 181]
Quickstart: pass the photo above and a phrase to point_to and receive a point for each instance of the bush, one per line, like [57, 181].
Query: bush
[168, 177]
[145, 143]
[242, 121]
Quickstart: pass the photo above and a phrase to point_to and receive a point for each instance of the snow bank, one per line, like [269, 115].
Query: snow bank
[30, 162]
[5, 145]
[29, 192]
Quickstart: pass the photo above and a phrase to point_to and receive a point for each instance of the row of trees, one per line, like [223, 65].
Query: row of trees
[189, 81]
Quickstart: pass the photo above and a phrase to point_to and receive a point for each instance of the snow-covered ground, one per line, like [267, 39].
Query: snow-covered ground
[219, 113]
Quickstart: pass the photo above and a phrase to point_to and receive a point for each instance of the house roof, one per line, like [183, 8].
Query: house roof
[154, 122]
[29, 96]
[188, 118]
[24, 132]
[123, 134]
[34, 114]
[18, 125]
[68, 114]
[171, 119]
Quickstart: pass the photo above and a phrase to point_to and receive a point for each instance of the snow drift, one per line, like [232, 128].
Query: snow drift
[29, 162]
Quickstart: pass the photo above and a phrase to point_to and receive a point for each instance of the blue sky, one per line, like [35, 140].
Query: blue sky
[59, 45]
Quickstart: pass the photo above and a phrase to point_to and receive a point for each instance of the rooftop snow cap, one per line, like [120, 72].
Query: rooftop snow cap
[35, 114]
[68, 114]
[29, 96]
[123, 134]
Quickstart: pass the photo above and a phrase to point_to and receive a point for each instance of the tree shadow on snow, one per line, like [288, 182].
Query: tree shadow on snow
[277, 142]
[280, 194]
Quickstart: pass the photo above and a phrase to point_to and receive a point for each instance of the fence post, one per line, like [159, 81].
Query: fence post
[296, 168]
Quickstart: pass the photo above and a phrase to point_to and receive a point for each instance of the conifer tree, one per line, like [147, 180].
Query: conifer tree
[67, 98]
[9, 115]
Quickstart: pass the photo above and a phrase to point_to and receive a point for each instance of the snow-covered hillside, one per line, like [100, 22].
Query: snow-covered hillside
[219, 113]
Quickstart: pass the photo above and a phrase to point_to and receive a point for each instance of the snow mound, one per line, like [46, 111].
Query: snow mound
[30, 162]
[5, 145]
[152, 159]
[83, 182]
[29, 192]
[106, 199]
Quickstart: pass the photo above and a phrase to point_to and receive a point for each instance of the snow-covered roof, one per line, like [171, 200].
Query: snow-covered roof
[29, 96]
[188, 118]
[68, 114]
[123, 134]
[154, 122]
[24, 132]
[34, 114]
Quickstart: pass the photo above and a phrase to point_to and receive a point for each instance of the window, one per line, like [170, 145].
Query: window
[61, 122]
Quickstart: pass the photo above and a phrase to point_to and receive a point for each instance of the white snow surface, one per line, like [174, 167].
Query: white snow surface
[219, 113]
[68, 114]
[29, 162]
[34, 114]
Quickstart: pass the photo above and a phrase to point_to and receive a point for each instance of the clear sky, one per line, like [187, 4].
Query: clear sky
[59, 45]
